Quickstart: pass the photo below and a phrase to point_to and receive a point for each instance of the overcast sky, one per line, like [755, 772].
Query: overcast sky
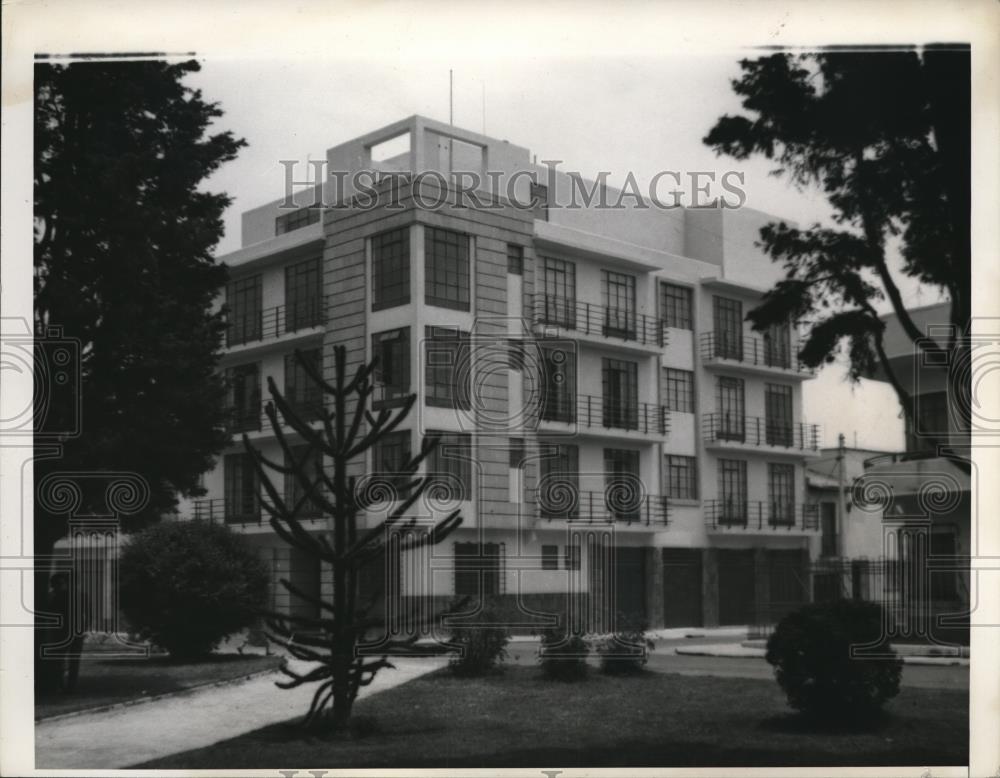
[596, 113]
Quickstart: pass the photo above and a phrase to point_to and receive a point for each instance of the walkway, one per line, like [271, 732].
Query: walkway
[136, 733]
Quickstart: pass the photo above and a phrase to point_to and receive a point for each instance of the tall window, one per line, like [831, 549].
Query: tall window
[446, 263]
[392, 375]
[448, 368]
[391, 269]
[619, 381]
[932, 422]
[675, 306]
[295, 490]
[389, 456]
[559, 481]
[243, 386]
[244, 298]
[479, 569]
[731, 417]
[828, 527]
[302, 295]
[728, 316]
[781, 494]
[944, 583]
[619, 302]
[622, 483]
[682, 477]
[449, 467]
[778, 415]
[515, 470]
[515, 259]
[296, 220]
[301, 390]
[558, 293]
[778, 345]
[558, 384]
[240, 488]
[678, 390]
[550, 557]
[733, 491]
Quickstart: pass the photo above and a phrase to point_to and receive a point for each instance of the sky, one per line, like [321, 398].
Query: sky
[641, 114]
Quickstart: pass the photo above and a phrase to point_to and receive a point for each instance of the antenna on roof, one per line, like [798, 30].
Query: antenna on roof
[451, 97]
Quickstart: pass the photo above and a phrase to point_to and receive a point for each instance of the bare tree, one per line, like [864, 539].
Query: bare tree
[348, 430]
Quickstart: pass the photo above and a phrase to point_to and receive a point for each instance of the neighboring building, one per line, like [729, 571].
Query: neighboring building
[923, 495]
[604, 351]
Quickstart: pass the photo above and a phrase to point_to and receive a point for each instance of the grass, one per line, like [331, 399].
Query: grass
[106, 681]
[516, 719]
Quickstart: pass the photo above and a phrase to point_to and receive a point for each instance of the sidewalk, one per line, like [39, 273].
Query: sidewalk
[129, 735]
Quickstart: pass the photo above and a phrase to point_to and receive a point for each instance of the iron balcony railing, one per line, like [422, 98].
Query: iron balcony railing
[602, 412]
[760, 515]
[592, 319]
[757, 431]
[217, 511]
[254, 419]
[750, 350]
[271, 323]
[563, 500]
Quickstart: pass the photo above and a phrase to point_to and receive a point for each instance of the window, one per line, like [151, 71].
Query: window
[572, 557]
[301, 391]
[681, 477]
[731, 418]
[515, 259]
[619, 301]
[302, 295]
[558, 384]
[446, 267]
[728, 316]
[392, 375]
[558, 293]
[240, 488]
[622, 483]
[944, 583]
[294, 489]
[540, 201]
[559, 482]
[389, 458]
[391, 269]
[620, 384]
[449, 467]
[448, 368]
[550, 557]
[675, 306]
[479, 569]
[244, 317]
[515, 470]
[732, 491]
[678, 390]
[781, 494]
[778, 346]
[932, 421]
[778, 415]
[243, 387]
[296, 220]
[828, 528]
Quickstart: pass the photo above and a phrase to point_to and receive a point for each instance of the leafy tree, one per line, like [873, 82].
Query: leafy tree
[348, 430]
[186, 585]
[886, 136]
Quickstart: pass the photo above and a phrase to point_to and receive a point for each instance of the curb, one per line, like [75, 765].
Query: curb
[143, 700]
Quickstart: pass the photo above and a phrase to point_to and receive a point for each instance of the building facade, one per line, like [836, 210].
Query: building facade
[617, 438]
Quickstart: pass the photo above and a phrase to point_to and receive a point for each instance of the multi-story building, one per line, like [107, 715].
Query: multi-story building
[616, 436]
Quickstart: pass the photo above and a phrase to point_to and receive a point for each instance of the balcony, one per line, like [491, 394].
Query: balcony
[751, 354]
[604, 416]
[255, 419]
[760, 516]
[563, 501]
[272, 323]
[752, 433]
[599, 323]
[215, 511]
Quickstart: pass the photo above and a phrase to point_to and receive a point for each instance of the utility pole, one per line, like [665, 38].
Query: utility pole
[841, 494]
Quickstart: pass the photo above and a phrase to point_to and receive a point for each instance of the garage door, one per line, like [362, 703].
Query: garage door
[736, 587]
[682, 587]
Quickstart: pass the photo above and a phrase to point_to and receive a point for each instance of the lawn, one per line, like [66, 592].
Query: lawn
[515, 719]
[105, 681]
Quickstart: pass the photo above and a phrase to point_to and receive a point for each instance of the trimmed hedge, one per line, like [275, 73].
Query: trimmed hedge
[563, 657]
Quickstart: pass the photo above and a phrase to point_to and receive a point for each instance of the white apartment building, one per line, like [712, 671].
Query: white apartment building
[616, 436]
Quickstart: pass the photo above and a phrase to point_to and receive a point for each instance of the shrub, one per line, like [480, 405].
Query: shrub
[811, 653]
[483, 647]
[186, 585]
[563, 657]
[627, 650]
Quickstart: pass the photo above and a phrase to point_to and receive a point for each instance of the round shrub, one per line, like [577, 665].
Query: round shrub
[627, 650]
[811, 653]
[563, 657]
[186, 585]
[482, 645]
